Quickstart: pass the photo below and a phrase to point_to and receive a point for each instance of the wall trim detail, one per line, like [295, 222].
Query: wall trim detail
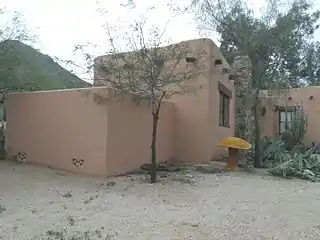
[224, 89]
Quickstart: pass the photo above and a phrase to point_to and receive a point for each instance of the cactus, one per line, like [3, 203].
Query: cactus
[304, 165]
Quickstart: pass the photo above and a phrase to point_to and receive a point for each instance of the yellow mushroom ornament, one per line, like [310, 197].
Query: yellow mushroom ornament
[233, 144]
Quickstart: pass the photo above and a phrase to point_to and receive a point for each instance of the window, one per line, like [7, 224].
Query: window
[224, 109]
[285, 119]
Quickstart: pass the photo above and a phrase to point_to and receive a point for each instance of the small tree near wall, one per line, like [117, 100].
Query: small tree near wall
[12, 28]
[148, 72]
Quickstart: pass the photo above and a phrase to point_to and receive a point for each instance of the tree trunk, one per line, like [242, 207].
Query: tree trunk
[2, 134]
[257, 156]
[155, 118]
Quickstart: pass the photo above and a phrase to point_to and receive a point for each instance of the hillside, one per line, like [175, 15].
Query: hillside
[22, 68]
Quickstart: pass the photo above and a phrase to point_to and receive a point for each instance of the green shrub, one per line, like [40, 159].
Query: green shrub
[299, 124]
[300, 163]
[289, 140]
[294, 133]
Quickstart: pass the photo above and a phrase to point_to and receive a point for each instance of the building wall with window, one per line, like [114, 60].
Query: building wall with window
[91, 131]
[197, 115]
[278, 108]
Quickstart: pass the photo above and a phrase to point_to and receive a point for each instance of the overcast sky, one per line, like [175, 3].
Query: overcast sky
[61, 24]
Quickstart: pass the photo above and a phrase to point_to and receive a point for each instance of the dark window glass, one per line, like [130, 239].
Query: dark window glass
[285, 120]
[224, 102]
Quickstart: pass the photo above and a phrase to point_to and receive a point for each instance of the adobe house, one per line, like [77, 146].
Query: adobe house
[74, 131]
[276, 102]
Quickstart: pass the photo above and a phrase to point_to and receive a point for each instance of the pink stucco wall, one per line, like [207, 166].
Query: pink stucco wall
[54, 127]
[308, 98]
[114, 137]
[198, 129]
[129, 135]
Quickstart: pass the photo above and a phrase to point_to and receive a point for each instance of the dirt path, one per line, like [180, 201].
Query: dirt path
[197, 206]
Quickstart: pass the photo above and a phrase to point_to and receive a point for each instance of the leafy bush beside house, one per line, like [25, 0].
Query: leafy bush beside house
[305, 165]
[295, 127]
[288, 156]
[298, 162]
[2, 113]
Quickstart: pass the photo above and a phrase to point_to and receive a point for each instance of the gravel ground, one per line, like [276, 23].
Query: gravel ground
[182, 206]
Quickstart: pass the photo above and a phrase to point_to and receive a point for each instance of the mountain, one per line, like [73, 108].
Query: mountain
[23, 68]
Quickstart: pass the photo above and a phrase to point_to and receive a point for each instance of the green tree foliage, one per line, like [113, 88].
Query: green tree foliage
[310, 66]
[276, 43]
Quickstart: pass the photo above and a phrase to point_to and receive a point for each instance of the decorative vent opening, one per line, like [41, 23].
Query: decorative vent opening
[232, 77]
[191, 59]
[77, 162]
[21, 157]
[217, 62]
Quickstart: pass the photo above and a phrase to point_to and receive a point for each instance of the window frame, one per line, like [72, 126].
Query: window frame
[224, 110]
[290, 110]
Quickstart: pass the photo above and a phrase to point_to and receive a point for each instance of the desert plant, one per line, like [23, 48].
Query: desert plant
[265, 41]
[299, 124]
[299, 148]
[78, 235]
[289, 140]
[270, 151]
[304, 165]
[71, 220]
[2, 208]
[295, 131]
[315, 147]
[274, 152]
[297, 162]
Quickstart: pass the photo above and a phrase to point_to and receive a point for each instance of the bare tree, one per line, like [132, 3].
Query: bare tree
[14, 28]
[11, 28]
[147, 72]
